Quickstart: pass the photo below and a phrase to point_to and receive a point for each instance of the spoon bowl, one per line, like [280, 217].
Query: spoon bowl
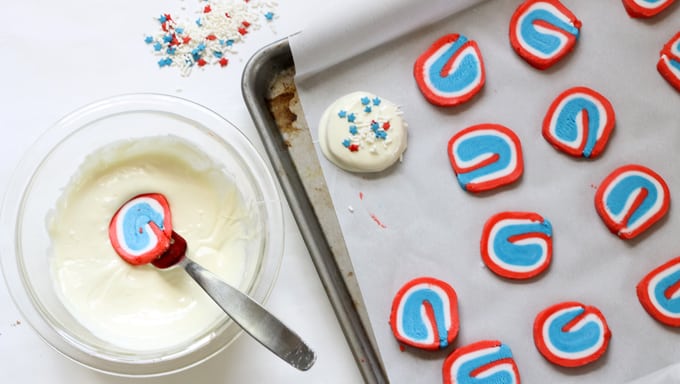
[139, 232]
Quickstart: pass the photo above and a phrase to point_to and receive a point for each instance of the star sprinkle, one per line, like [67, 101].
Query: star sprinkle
[367, 128]
[219, 26]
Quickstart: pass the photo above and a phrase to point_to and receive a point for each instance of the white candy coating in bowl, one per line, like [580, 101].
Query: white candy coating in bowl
[39, 182]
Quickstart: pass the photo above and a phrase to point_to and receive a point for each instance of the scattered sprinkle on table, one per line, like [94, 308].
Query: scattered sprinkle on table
[210, 36]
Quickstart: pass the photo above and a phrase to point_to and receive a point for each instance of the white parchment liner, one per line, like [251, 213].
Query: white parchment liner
[433, 227]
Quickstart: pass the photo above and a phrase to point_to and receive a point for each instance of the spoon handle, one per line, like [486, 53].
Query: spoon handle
[253, 318]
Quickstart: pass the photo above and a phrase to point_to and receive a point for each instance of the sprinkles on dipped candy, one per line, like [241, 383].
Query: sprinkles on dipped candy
[368, 128]
[210, 38]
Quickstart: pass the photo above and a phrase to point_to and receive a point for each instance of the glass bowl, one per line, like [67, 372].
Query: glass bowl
[51, 162]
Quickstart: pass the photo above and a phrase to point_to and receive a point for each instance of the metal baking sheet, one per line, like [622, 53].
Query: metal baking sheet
[269, 75]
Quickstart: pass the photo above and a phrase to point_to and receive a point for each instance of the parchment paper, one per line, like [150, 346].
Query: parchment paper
[432, 227]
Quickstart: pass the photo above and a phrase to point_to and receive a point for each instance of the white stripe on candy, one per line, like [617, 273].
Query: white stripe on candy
[485, 156]
[635, 186]
[489, 359]
[584, 114]
[664, 280]
[451, 71]
[561, 336]
[645, 8]
[532, 26]
[417, 320]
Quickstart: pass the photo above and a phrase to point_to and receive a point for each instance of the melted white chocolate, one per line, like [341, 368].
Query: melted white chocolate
[140, 307]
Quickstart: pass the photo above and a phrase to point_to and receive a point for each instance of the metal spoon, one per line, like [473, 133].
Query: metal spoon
[248, 314]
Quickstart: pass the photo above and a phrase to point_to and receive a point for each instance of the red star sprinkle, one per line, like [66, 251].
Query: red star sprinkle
[223, 62]
[245, 24]
[186, 40]
[242, 31]
[201, 62]
[386, 125]
[353, 147]
[207, 9]
[211, 37]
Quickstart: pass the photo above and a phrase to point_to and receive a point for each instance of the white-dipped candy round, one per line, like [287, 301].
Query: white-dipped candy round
[361, 132]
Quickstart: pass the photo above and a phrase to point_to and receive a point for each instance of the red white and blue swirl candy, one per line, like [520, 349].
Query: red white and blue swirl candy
[669, 62]
[579, 122]
[645, 8]
[631, 199]
[485, 156]
[451, 71]
[542, 32]
[571, 334]
[517, 245]
[425, 314]
[487, 361]
[659, 293]
[141, 230]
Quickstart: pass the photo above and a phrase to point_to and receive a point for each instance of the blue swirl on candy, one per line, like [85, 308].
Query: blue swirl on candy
[464, 374]
[624, 188]
[475, 146]
[566, 126]
[672, 304]
[524, 255]
[673, 62]
[545, 43]
[412, 321]
[135, 219]
[584, 338]
[462, 76]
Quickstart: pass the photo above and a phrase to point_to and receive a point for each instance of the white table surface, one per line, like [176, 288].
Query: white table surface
[59, 56]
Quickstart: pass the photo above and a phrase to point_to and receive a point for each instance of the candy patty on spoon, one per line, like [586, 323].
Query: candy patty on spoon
[141, 233]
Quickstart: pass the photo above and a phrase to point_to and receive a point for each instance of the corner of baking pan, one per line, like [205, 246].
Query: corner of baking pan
[258, 75]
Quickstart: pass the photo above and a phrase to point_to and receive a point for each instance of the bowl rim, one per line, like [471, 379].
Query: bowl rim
[221, 130]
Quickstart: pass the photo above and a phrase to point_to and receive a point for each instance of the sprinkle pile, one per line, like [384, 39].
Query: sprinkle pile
[212, 34]
[365, 131]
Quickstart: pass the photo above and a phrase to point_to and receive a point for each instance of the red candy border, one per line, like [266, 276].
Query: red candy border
[497, 269]
[615, 227]
[453, 298]
[537, 62]
[557, 360]
[601, 144]
[451, 359]
[491, 184]
[637, 11]
[645, 300]
[663, 69]
[419, 73]
[163, 235]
